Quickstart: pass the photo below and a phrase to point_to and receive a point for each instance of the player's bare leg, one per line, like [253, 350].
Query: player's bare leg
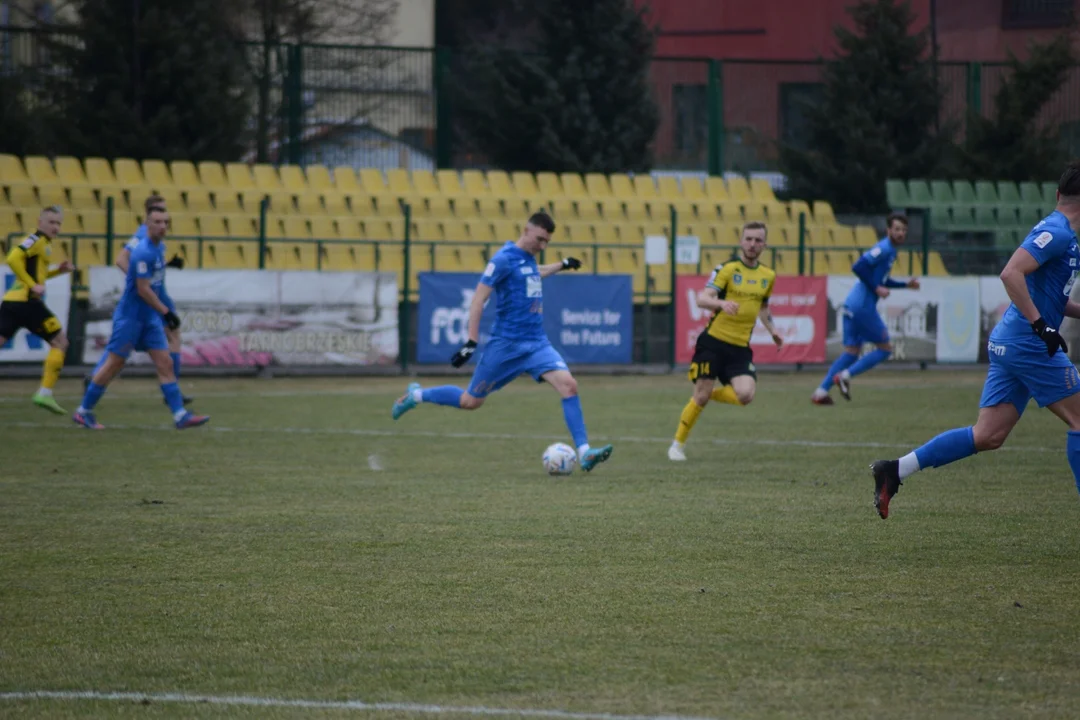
[567, 387]
[703, 392]
[990, 431]
[54, 363]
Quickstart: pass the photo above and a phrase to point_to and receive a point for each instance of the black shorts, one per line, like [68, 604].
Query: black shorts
[30, 314]
[718, 360]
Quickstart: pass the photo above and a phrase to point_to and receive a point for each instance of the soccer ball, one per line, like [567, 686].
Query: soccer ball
[560, 459]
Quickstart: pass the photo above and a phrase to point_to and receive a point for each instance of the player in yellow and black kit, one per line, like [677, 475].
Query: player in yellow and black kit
[738, 296]
[23, 306]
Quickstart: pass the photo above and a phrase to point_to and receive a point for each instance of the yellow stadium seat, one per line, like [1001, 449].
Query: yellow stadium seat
[348, 257]
[622, 186]
[865, 236]
[638, 211]
[448, 258]
[777, 212]
[40, 170]
[387, 206]
[517, 208]
[360, 203]
[425, 230]
[563, 210]
[454, 230]
[22, 196]
[157, 174]
[282, 202]
[573, 186]
[212, 175]
[212, 226]
[226, 255]
[372, 182]
[489, 207]
[182, 226]
[274, 229]
[604, 233]
[693, 189]
[667, 187]
[524, 184]
[324, 228]
[716, 189]
[728, 234]
[753, 211]
[318, 178]
[424, 183]
[549, 186]
[128, 172]
[782, 235]
[823, 213]
[9, 223]
[499, 185]
[738, 188]
[308, 204]
[645, 187]
[761, 190]
[631, 233]
[239, 176]
[242, 225]
[481, 231]
[125, 223]
[507, 230]
[797, 207]
[588, 210]
[265, 177]
[350, 228]
[450, 184]
[611, 210]
[70, 172]
[397, 180]
[785, 262]
[99, 173]
[730, 212]
[434, 206]
[250, 200]
[345, 179]
[936, 266]
[296, 227]
[475, 185]
[12, 171]
[842, 236]
[198, 200]
[597, 185]
[292, 178]
[185, 248]
[578, 233]
[336, 204]
[94, 222]
[184, 174]
[464, 207]
[52, 195]
[685, 210]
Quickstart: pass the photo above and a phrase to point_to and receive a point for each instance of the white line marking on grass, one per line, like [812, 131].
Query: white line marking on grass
[249, 701]
[365, 432]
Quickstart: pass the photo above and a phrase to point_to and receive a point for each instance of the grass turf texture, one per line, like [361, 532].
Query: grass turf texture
[755, 580]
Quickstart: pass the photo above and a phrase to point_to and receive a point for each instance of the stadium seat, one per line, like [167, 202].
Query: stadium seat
[841, 236]
[12, 171]
[611, 210]
[693, 189]
[800, 207]
[605, 234]
[242, 225]
[222, 254]
[518, 209]
[70, 171]
[668, 187]
[424, 183]
[9, 223]
[318, 178]
[761, 190]
[387, 206]
[359, 203]
[128, 173]
[174, 201]
[823, 213]
[475, 185]
[157, 175]
[309, 204]
[942, 192]
[212, 175]
[986, 193]
[434, 206]
[335, 204]
[588, 210]
[197, 200]
[266, 177]
[480, 230]
[963, 192]
[346, 181]
[499, 184]
[637, 211]
[716, 189]
[182, 226]
[738, 188]
[52, 195]
[729, 212]
[350, 258]
[282, 202]
[506, 230]
[454, 230]
[239, 176]
[597, 185]
[296, 227]
[489, 207]
[524, 184]
[1049, 194]
[753, 211]
[622, 186]
[896, 194]
[22, 196]
[464, 207]
[250, 200]
[919, 194]
[450, 184]
[292, 178]
[1008, 193]
[398, 182]
[1031, 195]
[41, 172]
[574, 186]
[563, 210]
[645, 188]
[274, 228]
[324, 228]
[184, 175]
[94, 222]
[865, 236]
[547, 183]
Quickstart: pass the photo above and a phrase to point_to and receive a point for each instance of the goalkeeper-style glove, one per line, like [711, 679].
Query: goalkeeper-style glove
[176, 262]
[462, 356]
[571, 263]
[172, 320]
[1050, 336]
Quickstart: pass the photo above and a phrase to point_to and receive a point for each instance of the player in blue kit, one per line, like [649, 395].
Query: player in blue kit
[518, 343]
[122, 260]
[1028, 358]
[139, 323]
[862, 323]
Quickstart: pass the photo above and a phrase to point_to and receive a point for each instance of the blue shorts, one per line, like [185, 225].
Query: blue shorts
[864, 326]
[501, 361]
[164, 297]
[1019, 372]
[143, 336]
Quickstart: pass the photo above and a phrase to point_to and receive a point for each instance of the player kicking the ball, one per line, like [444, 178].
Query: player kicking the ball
[737, 294]
[518, 343]
[1028, 358]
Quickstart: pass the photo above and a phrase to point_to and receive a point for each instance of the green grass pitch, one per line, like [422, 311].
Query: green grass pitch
[305, 546]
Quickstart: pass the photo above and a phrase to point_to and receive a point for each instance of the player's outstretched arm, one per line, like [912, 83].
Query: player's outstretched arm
[569, 263]
[64, 267]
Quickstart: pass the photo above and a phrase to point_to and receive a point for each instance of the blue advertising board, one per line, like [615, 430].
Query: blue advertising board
[588, 318]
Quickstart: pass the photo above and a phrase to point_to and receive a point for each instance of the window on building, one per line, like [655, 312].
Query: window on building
[1037, 13]
[691, 106]
[795, 100]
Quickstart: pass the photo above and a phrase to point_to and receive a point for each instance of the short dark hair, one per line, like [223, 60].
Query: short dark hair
[754, 225]
[152, 201]
[153, 209]
[896, 217]
[1069, 183]
[542, 220]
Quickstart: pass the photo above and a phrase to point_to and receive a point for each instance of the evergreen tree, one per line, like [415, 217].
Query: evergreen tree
[1010, 145]
[879, 115]
[155, 79]
[578, 100]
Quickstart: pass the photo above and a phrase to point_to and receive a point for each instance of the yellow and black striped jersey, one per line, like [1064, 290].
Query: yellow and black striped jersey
[32, 255]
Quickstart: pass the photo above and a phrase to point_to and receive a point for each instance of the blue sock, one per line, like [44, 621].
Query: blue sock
[448, 395]
[175, 364]
[868, 361]
[1073, 449]
[843, 362]
[171, 391]
[575, 420]
[93, 394]
[104, 357]
[948, 447]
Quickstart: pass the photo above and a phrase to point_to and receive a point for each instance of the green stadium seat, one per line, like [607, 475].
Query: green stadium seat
[896, 194]
[941, 192]
[919, 194]
[985, 219]
[963, 191]
[1008, 193]
[1028, 216]
[986, 193]
[1030, 194]
[1049, 193]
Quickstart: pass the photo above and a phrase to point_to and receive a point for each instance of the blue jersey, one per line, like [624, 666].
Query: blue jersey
[147, 262]
[1053, 244]
[873, 270]
[140, 235]
[515, 278]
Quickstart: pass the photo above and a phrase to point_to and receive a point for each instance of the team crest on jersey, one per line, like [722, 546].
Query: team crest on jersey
[765, 284]
[737, 278]
[1043, 239]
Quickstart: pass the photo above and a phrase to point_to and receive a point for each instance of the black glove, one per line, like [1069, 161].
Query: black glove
[1050, 336]
[570, 263]
[176, 262]
[462, 356]
[172, 320]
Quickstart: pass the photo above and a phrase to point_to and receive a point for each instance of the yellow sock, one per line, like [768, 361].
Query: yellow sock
[726, 394]
[54, 363]
[687, 419]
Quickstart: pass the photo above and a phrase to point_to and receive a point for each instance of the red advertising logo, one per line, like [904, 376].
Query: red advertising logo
[799, 306]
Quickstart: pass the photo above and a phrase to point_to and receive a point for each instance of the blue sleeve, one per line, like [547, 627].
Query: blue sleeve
[142, 264]
[494, 272]
[132, 243]
[864, 270]
[890, 283]
[1047, 245]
